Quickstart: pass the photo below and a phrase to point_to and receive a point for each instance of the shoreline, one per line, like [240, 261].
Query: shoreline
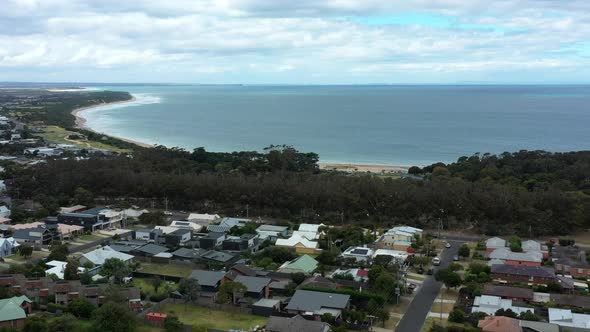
[80, 121]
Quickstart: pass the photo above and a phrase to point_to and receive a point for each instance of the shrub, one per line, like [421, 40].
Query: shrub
[456, 316]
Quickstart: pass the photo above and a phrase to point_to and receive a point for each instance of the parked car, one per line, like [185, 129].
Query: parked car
[436, 261]
[455, 258]
[447, 245]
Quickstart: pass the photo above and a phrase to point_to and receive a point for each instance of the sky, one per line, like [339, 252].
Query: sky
[296, 41]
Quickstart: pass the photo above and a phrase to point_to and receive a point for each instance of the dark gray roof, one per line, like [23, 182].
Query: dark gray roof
[304, 300]
[254, 284]
[218, 228]
[187, 253]
[215, 235]
[207, 278]
[297, 323]
[522, 270]
[181, 231]
[218, 256]
[122, 248]
[571, 300]
[25, 233]
[152, 249]
[508, 292]
[360, 251]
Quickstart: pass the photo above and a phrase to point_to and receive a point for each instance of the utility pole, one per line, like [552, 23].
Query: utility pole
[247, 210]
[166, 203]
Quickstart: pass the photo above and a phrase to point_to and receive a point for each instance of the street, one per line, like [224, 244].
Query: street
[418, 310]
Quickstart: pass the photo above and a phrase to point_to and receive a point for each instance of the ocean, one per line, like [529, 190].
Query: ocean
[393, 125]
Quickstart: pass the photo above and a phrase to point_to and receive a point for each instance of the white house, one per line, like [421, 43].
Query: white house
[203, 218]
[98, 256]
[271, 232]
[2, 186]
[8, 246]
[397, 255]
[301, 244]
[490, 304]
[309, 231]
[193, 226]
[4, 211]
[565, 317]
[360, 254]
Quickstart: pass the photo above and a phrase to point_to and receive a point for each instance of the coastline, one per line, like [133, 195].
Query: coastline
[364, 168]
[80, 121]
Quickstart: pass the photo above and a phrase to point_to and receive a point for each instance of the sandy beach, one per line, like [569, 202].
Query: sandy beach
[81, 121]
[363, 168]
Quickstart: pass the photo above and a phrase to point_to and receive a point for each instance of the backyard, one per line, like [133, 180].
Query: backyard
[215, 319]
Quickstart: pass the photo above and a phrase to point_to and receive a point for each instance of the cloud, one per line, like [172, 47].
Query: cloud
[341, 41]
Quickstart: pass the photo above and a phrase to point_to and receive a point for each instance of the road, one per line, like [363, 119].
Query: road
[418, 310]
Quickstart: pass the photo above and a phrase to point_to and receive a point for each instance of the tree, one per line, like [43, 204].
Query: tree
[456, 316]
[35, 324]
[173, 324]
[529, 315]
[190, 289]
[81, 308]
[113, 317]
[64, 323]
[71, 270]
[515, 243]
[85, 278]
[298, 277]
[25, 250]
[506, 313]
[464, 251]
[156, 282]
[231, 291]
[156, 218]
[83, 197]
[449, 278]
[116, 268]
[58, 252]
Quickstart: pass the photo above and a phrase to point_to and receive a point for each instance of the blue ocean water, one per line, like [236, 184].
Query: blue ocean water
[399, 125]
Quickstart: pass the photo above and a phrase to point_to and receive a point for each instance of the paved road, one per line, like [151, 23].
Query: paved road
[418, 310]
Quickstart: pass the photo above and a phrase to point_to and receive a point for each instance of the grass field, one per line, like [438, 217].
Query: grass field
[215, 319]
[20, 259]
[146, 285]
[171, 270]
[59, 135]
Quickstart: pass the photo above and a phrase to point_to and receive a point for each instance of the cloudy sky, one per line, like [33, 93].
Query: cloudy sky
[296, 41]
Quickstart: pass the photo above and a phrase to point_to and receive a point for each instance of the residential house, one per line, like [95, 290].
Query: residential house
[266, 307]
[149, 250]
[302, 264]
[178, 237]
[72, 209]
[359, 254]
[506, 256]
[98, 256]
[359, 275]
[187, 254]
[570, 300]
[530, 275]
[494, 243]
[149, 234]
[4, 211]
[217, 258]
[571, 261]
[396, 255]
[300, 244]
[209, 282]
[240, 243]
[257, 287]
[56, 268]
[398, 238]
[507, 324]
[37, 237]
[8, 246]
[490, 304]
[272, 232]
[567, 318]
[215, 228]
[316, 304]
[234, 222]
[244, 270]
[212, 240]
[296, 323]
[203, 219]
[511, 293]
[309, 231]
[193, 226]
[13, 311]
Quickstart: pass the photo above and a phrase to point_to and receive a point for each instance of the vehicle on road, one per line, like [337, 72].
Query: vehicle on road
[447, 245]
[411, 286]
[436, 261]
[455, 258]
[168, 213]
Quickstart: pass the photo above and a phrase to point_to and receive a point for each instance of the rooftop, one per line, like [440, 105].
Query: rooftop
[207, 278]
[529, 271]
[304, 300]
[254, 284]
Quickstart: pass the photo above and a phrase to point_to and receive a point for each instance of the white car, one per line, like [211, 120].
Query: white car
[447, 245]
[436, 261]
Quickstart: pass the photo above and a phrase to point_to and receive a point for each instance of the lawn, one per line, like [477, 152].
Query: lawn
[20, 259]
[59, 135]
[446, 307]
[214, 319]
[90, 237]
[172, 270]
[430, 321]
[147, 287]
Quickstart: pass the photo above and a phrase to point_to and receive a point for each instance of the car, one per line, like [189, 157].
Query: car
[455, 258]
[447, 245]
[436, 261]
[168, 213]
[411, 286]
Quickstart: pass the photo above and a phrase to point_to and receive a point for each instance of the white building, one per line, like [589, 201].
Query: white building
[360, 254]
[205, 219]
[565, 317]
[4, 211]
[490, 304]
[193, 226]
[271, 232]
[2, 186]
[8, 246]
[98, 256]
[397, 255]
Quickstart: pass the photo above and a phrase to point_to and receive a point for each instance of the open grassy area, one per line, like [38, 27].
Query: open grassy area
[91, 237]
[20, 259]
[446, 307]
[146, 286]
[216, 319]
[59, 135]
[171, 270]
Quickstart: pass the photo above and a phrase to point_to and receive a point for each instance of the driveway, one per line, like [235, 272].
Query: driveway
[418, 310]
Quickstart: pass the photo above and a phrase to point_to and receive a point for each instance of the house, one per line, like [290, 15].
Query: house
[494, 243]
[570, 300]
[72, 209]
[565, 317]
[214, 228]
[511, 293]
[234, 222]
[398, 238]
[57, 268]
[193, 226]
[271, 232]
[266, 307]
[296, 323]
[359, 275]
[302, 264]
[244, 270]
[309, 231]
[396, 255]
[90, 219]
[98, 256]
[178, 237]
[5, 221]
[499, 324]
[187, 254]
[69, 231]
[212, 240]
[4, 211]
[43, 151]
[359, 254]
[13, 311]
[316, 304]
[149, 250]
[2, 186]
[149, 234]
[240, 243]
[37, 237]
[218, 257]
[257, 287]
[530, 275]
[8, 246]
[506, 256]
[209, 282]
[571, 261]
[203, 219]
[300, 244]
[490, 304]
